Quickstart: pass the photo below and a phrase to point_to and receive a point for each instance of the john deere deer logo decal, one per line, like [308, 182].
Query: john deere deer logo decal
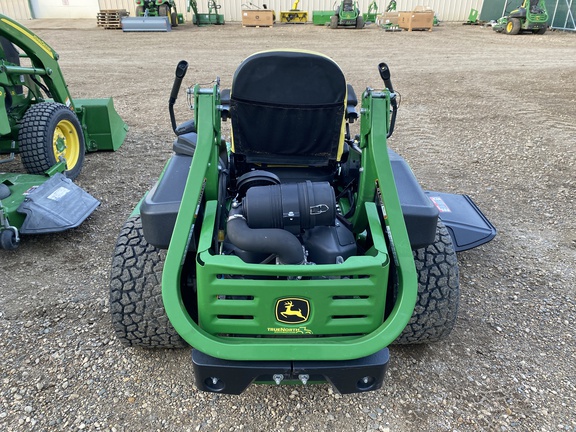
[292, 310]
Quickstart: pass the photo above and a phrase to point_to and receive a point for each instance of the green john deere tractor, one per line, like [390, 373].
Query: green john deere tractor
[51, 131]
[347, 15]
[160, 8]
[531, 16]
[295, 253]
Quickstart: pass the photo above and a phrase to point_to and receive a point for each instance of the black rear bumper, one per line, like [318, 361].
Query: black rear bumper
[346, 376]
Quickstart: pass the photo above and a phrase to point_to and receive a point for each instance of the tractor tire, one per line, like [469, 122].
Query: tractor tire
[51, 132]
[360, 22]
[436, 307]
[334, 22]
[138, 315]
[174, 19]
[139, 11]
[164, 10]
[513, 27]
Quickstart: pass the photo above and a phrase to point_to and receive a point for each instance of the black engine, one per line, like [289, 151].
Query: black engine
[292, 223]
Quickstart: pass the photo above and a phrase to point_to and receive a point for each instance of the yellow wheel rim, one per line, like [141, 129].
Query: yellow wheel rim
[509, 27]
[66, 144]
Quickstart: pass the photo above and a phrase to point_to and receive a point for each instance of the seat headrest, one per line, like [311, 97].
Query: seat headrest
[289, 78]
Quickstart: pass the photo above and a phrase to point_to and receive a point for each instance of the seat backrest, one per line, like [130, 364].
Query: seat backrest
[288, 107]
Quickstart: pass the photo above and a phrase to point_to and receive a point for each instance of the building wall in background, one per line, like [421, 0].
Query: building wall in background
[16, 9]
[64, 8]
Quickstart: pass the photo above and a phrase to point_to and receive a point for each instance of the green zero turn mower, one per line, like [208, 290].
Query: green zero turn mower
[51, 131]
[531, 16]
[347, 15]
[295, 253]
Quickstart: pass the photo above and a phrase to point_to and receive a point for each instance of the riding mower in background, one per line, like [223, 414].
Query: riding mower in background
[151, 16]
[347, 15]
[531, 16]
[51, 131]
[159, 8]
[295, 253]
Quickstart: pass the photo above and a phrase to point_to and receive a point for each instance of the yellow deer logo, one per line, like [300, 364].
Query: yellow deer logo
[289, 311]
[292, 310]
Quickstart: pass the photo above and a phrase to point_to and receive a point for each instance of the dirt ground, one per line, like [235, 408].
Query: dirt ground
[482, 113]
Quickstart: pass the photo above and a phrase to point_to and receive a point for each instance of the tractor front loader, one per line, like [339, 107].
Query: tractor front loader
[295, 253]
[51, 131]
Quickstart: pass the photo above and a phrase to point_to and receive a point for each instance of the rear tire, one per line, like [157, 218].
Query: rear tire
[138, 314]
[164, 10]
[513, 26]
[174, 19]
[360, 22]
[334, 22]
[50, 132]
[438, 297]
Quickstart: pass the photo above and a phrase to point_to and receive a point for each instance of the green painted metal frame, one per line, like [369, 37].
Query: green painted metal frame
[377, 209]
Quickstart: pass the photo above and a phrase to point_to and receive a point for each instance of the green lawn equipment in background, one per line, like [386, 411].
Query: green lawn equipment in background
[347, 15]
[50, 130]
[370, 16]
[473, 18]
[152, 16]
[531, 16]
[158, 8]
[296, 253]
[203, 19]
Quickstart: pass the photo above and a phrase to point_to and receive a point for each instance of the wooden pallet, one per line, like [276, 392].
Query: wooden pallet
[111, 19]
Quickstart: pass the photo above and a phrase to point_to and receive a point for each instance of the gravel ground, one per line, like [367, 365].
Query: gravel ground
[486, 114]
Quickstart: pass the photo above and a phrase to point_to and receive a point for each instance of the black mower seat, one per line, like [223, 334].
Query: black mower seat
[288, 107]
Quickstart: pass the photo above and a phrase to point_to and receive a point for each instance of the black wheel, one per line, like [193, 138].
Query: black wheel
[50, 132]
[138, 314]
[8, 240]
[174, 19]
[164, 10]
[334, 21]
[436, 307]
[360, 22]
[139, 11]
[513, 26]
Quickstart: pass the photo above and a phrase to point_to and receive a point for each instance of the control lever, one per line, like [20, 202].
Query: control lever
[385, 75]
[181, 69]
